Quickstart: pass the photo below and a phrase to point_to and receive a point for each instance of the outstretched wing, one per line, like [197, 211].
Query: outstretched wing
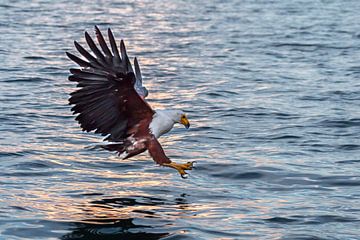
[107, 100]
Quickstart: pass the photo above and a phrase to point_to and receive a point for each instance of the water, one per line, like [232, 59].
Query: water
[272, 92]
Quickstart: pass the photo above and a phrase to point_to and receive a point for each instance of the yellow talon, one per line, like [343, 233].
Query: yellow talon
[181, 167]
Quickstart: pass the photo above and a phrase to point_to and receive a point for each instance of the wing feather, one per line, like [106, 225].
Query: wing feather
[100, 57]
[125, 58]
[103, 44]
[79, 61]
[92, 60]
[113, 45]
[106, 101]
[137, 71]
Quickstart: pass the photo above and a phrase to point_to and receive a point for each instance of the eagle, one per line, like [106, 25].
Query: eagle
[110, 100]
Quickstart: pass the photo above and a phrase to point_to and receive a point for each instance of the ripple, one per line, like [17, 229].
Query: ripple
[349, 147]
[27, 80]
[244, 176]
[116, 229]
[284, 137]
[20, 208]
[281, 220]
[35, 58]
[331, 218]
[31, 173]
[348, 161]
[354, 122]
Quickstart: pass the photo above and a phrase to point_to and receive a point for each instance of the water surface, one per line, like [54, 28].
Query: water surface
[272, 92]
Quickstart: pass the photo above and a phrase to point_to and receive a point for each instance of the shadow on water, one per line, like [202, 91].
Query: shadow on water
[111, 229]
[120, 218]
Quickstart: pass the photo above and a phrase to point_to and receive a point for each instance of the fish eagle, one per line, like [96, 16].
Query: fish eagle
[110, 100]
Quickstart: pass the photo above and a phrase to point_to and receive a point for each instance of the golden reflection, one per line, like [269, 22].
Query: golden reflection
[128, 195]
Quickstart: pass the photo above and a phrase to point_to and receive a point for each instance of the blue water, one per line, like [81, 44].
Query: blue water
[271, 89]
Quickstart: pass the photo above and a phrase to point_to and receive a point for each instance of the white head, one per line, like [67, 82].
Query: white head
[179, 116]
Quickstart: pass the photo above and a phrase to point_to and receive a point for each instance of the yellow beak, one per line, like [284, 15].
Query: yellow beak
[184, 121]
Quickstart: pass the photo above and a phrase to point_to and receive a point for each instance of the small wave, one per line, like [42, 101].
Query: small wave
[240, 176]
[350, 183]
[20, 208]
[133, 201]
[348, 161]
[12, 69]
[85, 195]
[35, 58]
[281, 220]
[213, 94]
[305, 46]
[323, 219]
[27, 80]
[31, 173]
[349, 147]
[313, 98]
[340, 123]
[344, 181]
[303, 237]
[284, 137]
[30, 165]
[5, 6]
[5, 153]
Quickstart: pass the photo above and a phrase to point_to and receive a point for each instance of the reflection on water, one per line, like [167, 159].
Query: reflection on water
[120, 229]
[120, 218]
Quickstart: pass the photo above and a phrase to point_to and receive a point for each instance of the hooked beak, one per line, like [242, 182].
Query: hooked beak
[184, 121]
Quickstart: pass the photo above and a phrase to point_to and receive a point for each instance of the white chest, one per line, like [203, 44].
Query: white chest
[160, 124]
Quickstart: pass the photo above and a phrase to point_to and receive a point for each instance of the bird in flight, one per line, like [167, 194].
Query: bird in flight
[110, 100]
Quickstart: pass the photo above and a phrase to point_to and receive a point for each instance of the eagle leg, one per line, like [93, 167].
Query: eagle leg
[181, 167]
[158, 154]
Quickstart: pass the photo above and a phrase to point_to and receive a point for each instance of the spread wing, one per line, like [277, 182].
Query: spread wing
[110, 95]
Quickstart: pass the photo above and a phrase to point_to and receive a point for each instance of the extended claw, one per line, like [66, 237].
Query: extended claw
[184, 176]
[193, 164]
[181, 167]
